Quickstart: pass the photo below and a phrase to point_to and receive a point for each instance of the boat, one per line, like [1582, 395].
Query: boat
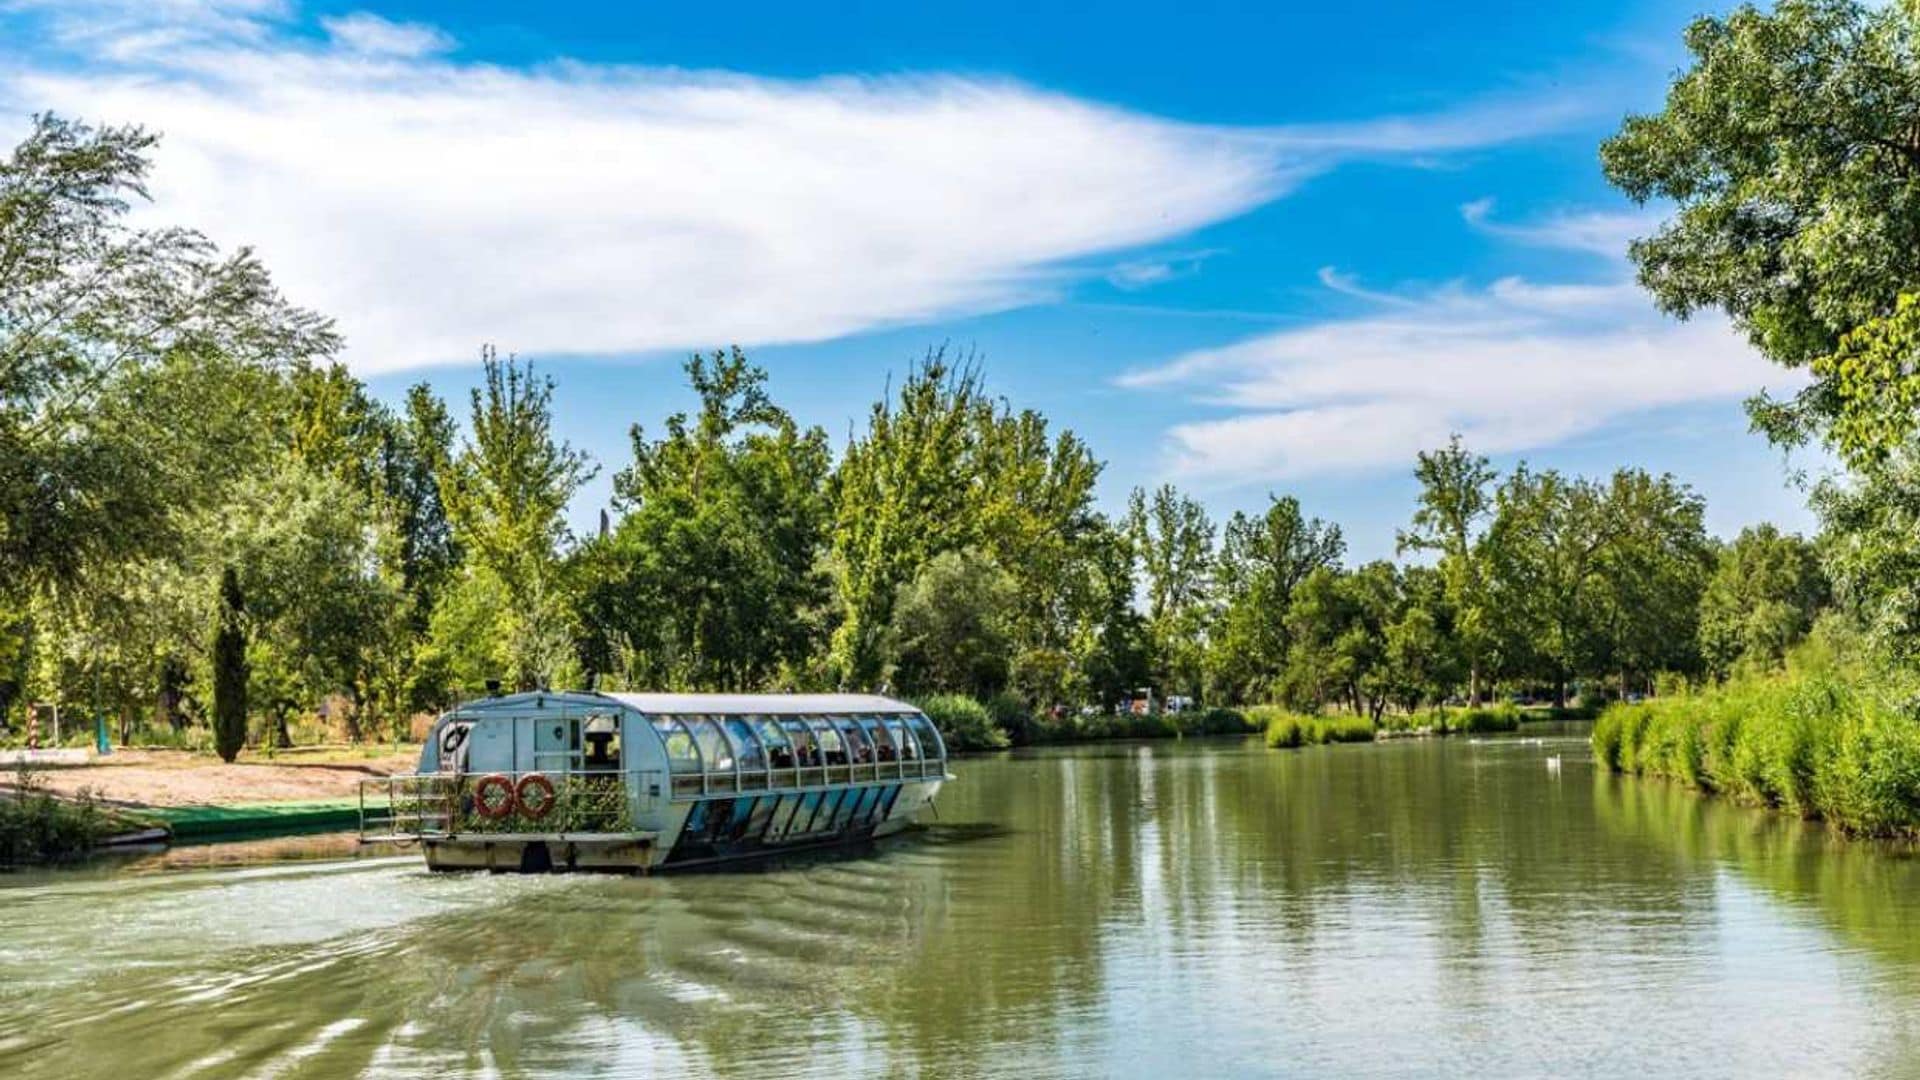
[580, 780]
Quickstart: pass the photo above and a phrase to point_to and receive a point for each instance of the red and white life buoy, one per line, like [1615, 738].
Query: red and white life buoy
[534, 792]
[493, 796]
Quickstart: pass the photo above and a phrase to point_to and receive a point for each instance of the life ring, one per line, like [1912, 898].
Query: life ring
[493, 796]
[542, 798]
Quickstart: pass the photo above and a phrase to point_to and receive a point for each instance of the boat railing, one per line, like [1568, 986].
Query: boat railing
[547, 802]
[802, 776]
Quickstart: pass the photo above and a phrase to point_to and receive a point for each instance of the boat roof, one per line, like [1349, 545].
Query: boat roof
[774, 704]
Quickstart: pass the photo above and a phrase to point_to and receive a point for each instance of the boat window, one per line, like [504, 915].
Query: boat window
[909, 746]
[861, 748]
[930, 742]
[833, 748]
[805, 751]
[714, 748]
[885, 748]
[752, 757]
[779, 747]
[682, 754]
[603, 742]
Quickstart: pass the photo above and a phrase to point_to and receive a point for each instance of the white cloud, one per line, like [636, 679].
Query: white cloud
[1595, 232]
[1138, 274]
[432, 204]
[1514, 366]
[368, 34]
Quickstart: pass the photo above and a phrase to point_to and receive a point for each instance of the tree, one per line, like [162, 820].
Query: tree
[1871, 547]
[1341, 649]
[952, 627]
[1790, 151]
[900, 497]
[1262, 562]
[506, 493]
[88, 305]
[1651, 571]
[1764, 592]
[712, 579]
[1174, 540]
[230, 670]
[1544, 554]
[1456, 498]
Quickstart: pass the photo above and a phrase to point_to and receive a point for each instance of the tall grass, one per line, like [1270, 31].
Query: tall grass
[1839, 746]
[35, 826]
[1286, 729]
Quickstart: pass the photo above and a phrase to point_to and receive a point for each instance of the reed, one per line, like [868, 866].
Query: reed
[1841, 747]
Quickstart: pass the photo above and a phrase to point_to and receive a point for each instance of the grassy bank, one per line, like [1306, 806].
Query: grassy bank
[971, 725]
[37, 826]
[1286, 729]
[1831, 745]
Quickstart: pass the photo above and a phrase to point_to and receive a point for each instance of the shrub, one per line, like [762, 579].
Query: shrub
[1009, 712]
[35, 826]
[1286, 729]
[963, 722]
[1484, 720]
[1839, 748]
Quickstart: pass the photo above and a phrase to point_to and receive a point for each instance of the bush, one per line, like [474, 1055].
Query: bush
[1833, 747]
[1008, 711]
[963, 722]
[1286, 729]
[35, 826]
[1485, 720]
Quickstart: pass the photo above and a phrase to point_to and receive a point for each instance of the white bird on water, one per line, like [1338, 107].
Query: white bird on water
[1553, 763]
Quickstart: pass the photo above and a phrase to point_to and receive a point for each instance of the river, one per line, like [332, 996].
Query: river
[1444, 907]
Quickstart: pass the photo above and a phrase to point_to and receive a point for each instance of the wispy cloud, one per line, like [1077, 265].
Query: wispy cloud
[1136, 274]
[1514, 365]
[431, 203]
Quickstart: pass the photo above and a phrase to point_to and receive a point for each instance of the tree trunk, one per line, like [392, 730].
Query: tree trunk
[1473, 684]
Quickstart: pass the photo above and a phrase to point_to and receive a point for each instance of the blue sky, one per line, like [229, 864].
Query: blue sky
[1241, 249]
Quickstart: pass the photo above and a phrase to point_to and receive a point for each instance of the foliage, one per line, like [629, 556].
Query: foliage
[1173, 537]
[964, 723]
[1286, 729]
[1871, 550]
[1788, 147]
[35, 826]
[230, 671]
[1262, 562]
[952, 626]
[1837, 745]
[1456, 499]
[506, 493]
[1762, 597]
[712, 579]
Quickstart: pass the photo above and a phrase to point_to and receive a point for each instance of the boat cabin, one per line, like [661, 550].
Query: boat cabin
[547, 780]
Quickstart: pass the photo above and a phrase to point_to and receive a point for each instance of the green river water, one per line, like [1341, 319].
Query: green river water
[1212, 908]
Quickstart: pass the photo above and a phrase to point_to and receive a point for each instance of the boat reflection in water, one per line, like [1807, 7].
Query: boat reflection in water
[633, 782]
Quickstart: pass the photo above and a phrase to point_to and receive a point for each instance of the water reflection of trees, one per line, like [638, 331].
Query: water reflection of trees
[1012, 926]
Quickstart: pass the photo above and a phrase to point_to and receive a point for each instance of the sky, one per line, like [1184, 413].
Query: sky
[1246, 250]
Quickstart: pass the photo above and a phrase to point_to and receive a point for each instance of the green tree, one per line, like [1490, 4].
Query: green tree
[230, 670]
[1456, 500]
[900, 496]
[1545, 546]
[1871, 547]
[1342, 650]
[1764, 592]
[713, 578]
[952, 627]
[1262, 562]
[1651, 571]
[506, 494]
[1174, 540]
[1789, 150]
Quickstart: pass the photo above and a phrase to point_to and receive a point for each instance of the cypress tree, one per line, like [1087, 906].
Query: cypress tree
[230, 671]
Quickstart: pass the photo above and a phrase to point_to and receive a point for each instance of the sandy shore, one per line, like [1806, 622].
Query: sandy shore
[179, 778]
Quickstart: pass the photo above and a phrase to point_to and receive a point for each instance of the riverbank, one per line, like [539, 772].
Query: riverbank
[1828, 745]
